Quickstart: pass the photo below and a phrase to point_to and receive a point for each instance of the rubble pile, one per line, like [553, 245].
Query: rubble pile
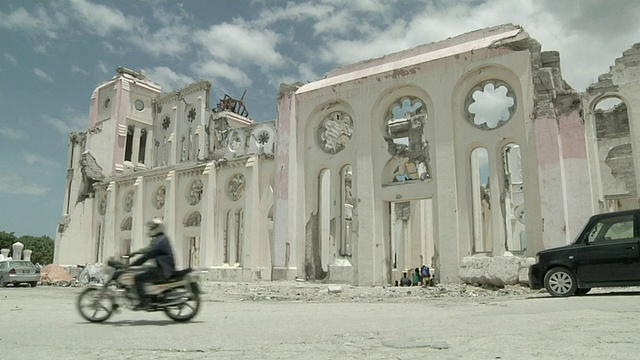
[319, 292]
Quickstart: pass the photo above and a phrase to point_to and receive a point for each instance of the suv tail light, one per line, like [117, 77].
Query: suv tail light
[12, 271]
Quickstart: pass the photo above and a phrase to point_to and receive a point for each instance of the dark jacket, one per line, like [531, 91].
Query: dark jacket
[160, 250]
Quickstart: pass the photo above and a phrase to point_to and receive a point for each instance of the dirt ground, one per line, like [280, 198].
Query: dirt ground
[307, 320]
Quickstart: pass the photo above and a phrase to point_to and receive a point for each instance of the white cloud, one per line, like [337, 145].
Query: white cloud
[171, 40]
[35, 159]
[36, 22]
[11, 58]
[43, 75]
[76, 70]
[14, 134]
[222, 71]
[167, 78]
[101, 19]
[586, 37]
[73, 122]
[13, 184]
[102, 67]
[240, 43]
[295, 12]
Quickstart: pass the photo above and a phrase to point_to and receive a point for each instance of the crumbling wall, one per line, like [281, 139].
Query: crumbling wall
[609, 103]
[561, 152]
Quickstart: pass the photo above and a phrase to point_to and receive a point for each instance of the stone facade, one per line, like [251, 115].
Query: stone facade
[453, 154]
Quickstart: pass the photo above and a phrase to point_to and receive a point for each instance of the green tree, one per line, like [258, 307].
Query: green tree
[42, 248]
[6, 240]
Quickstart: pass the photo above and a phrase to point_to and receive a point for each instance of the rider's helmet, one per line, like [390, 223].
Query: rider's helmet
[154, 227]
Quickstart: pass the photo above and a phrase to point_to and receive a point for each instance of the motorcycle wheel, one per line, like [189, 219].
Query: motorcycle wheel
[93, 306]
[186, 310]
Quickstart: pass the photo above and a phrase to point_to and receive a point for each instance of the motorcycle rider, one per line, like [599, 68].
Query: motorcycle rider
[160, 250]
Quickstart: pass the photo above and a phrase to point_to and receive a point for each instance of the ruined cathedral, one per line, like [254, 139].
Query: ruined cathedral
[469, 148]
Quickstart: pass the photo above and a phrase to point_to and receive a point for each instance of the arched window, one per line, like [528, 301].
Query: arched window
[128, 149]
[615, 154]
[324, 216]
[143, 146]
[346, 177]
[514, 198]
[481, 200]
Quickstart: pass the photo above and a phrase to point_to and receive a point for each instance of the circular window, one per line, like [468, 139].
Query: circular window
[107, 102]
[139, 105]
[490, 104]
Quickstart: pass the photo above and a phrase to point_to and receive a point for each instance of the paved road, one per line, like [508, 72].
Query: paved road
[42, 323]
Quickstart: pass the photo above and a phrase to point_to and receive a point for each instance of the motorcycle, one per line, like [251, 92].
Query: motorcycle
[178, 297]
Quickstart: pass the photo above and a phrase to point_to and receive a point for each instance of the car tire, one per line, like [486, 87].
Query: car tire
[582, 291]
[33, 283]
[560, 281]
[2, 283]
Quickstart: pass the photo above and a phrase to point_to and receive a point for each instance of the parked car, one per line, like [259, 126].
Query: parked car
[605, 253]
[17, 272]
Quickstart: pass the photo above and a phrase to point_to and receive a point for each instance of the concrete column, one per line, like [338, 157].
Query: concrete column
[200, 134]
[209, 242]
[138, 239]
[149, 150]
[27, 255]
[173, 141]
[252, 235]
[170, 215]
[447, 227]
[16, 252]
[110, 224]
[135, 145]
[287, 228]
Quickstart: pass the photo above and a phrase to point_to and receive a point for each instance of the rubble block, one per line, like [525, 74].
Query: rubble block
[495, 270]
[73, 270]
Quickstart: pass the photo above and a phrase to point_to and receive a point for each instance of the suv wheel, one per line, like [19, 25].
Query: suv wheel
[560, 281]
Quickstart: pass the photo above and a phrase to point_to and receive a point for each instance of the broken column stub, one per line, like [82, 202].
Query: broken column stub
[27, 255]
[17, 250]
[5, 253]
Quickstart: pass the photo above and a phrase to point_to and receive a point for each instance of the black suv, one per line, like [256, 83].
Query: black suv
[606, 253]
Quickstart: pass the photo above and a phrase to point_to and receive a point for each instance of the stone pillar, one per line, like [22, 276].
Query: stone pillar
[170, 216]
[17, 251]
[209, 218]
[149, 149]
[135, 154]
[138, 240]
[252, 235]
[27, 255]
[288, 228]
[173, 142]
[110, 221]
[4, 253]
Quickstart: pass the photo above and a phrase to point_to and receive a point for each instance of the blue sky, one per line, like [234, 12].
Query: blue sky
[54, 53]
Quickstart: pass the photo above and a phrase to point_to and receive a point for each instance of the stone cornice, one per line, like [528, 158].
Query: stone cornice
[202, 85]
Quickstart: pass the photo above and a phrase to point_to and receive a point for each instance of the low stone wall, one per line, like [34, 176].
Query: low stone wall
[495, 270]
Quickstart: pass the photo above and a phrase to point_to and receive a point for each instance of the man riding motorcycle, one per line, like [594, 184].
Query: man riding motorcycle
[160, 250]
